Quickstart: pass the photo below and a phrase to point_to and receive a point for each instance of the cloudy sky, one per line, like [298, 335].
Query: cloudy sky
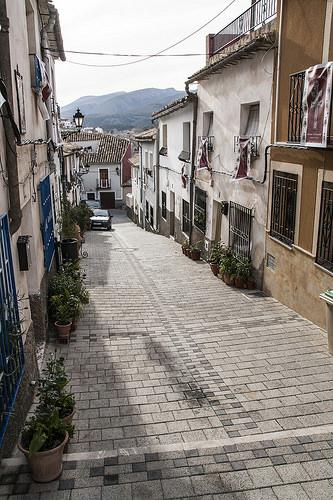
[134, 27]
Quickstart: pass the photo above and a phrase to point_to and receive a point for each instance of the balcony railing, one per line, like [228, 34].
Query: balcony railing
[251, 19]
[255, 144]
[210, 141]
[103, 184]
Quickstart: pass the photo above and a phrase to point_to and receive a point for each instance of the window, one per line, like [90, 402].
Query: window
[151, 216]
[185, 154]
[250, 120]
[324, 255]
[186, 217]
[240, 223]
[164, 208]
[147, 210]
[284, 197]
[164, 149]
[200, 209]
[103, 178]
[207, 123]
[90, 196]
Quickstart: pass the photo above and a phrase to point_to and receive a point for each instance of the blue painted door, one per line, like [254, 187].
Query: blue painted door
[11, 348]
[46, 216]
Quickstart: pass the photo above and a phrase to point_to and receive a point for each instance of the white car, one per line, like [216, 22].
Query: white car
[101, 218]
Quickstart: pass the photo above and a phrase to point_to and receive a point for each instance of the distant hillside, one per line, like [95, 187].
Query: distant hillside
[121, 110]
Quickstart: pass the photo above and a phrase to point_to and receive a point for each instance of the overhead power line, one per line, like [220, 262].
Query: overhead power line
[157, 54]
[126, 55]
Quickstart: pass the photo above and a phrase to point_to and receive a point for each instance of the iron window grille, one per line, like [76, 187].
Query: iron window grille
[11, 348]
[324, 255]
[284, 198]
[254, 141]
[296, 81]
[210, 141]
[164, 208]
[186, 217]
[151, 216]
[200, 209]
[240, 226]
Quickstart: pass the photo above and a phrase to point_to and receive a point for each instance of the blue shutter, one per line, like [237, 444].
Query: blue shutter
[47, 221]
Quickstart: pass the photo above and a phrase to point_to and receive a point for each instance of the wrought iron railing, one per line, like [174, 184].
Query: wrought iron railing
[284, 198]
[255, 141]
[251, 19]
[210, 141]
[324, 255]
[296, 89]
[103, 184]
[240, 225]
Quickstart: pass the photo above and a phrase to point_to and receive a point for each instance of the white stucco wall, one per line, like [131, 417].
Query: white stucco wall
[90, 180]
[170, 165]
[247, 82]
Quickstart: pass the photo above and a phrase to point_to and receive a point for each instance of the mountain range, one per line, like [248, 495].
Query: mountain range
[121, 110]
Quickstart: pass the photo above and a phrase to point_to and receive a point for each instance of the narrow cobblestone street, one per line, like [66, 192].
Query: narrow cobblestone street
[186, 387]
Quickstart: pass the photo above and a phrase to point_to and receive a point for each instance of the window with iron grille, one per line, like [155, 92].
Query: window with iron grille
[240, 225]
[186, 217]
[164, 209]
[200, 209]
[284, 198]
[324, 255]
[11, 348]
[296, 89]
[151, 216]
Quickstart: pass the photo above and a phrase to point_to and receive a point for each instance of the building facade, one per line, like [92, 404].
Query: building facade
[30, 158]
[299, 243]
[108, 179]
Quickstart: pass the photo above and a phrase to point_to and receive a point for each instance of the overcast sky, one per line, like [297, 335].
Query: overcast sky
[131, 26]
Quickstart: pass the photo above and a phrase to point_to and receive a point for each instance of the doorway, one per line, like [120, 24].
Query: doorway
[108, 200]
[172, 213]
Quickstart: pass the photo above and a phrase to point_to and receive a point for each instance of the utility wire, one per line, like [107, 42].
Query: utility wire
[126, 55]
[161, 51]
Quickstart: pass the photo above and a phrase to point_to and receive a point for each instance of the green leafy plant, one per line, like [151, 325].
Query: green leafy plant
[61, 309]
[66, 221]
[44, 431]
[215, 254]
[228, 262]
[52, 392]
[243, 269]
[81, 215]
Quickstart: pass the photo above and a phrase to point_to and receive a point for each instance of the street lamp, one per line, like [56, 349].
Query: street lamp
[78, 119]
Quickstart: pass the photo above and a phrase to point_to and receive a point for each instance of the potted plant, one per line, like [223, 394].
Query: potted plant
[63, 315]
[68, 231]
[196, 251]
[76, 306]
[242, 273]
[185, 246]
[43, 439]
[214, 258]
[228, 266]
[52, 390]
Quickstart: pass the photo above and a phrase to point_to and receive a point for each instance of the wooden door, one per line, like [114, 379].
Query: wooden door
[108, 200]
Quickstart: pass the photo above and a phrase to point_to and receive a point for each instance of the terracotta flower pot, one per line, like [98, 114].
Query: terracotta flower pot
[69, 418]
[215, 268]
[239, 283]
[46, 465]
[228, 279]
[63, 330]
[195, 254]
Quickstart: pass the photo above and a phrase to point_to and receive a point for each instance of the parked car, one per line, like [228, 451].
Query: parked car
[92, 204]
[101, 218]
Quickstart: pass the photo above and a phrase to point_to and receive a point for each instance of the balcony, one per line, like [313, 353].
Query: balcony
[103, 184]
[255, 144]
[250, 20]
[210, 141]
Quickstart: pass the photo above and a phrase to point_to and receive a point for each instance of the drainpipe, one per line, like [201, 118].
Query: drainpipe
[15, 212]
[194, 136]
[141, 191]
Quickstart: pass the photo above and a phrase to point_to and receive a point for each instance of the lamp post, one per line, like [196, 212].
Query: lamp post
[78, 119]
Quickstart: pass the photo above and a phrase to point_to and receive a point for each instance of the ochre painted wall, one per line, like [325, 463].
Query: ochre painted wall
[301, 44]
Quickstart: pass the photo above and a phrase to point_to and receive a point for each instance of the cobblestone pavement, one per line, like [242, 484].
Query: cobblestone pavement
[188, 388]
